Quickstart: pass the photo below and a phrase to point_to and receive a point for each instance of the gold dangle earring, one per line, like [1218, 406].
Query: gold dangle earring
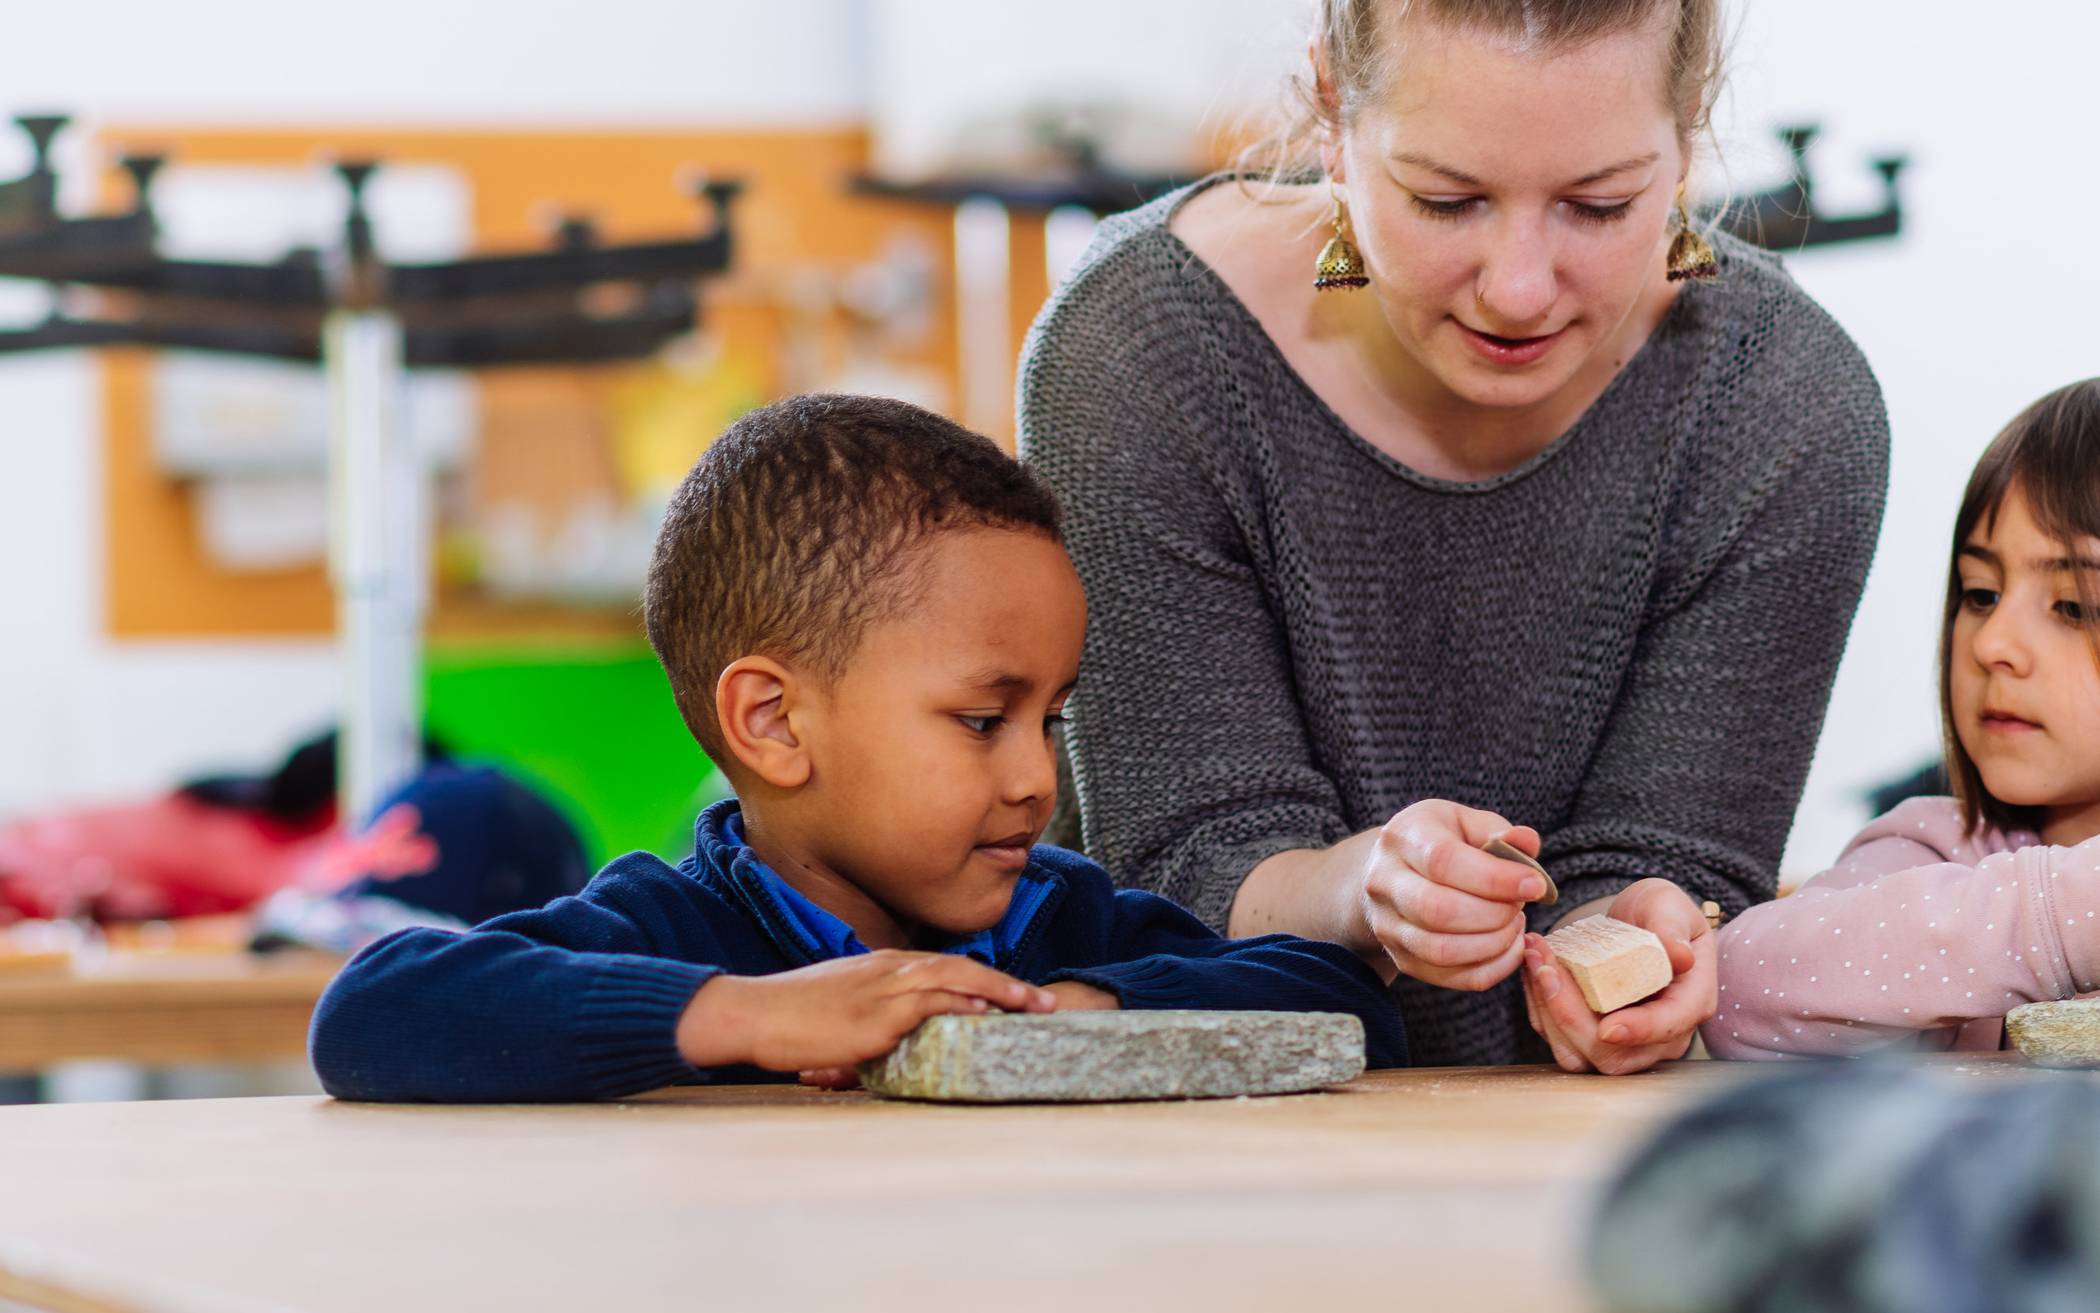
[1691, 256]
[1339, 264]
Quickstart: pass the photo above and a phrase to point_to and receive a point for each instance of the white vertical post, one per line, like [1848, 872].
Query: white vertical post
[376, 557]
[1067, 230]
[983, 323]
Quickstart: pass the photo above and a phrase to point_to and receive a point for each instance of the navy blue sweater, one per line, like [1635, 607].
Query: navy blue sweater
[581, 998]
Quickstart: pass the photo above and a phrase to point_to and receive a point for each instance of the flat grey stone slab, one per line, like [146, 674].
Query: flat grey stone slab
[2065, 1034]
[1079, 1057]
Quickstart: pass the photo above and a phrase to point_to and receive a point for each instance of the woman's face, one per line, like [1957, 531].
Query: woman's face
[1512, 206]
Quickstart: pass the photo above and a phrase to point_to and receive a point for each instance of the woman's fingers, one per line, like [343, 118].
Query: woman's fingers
[1447, 913]
[1680, 953]
[1521, 837]
[1445, 910]
[1487, 975]
[1469, 962]
[1660, 906]
[1561, 1001]
[1684, 1005]
[1447, 860]
[1613, 1061]
[1439, 949]
[1565, 1055]
[1619, 1043]
[1673, 1012]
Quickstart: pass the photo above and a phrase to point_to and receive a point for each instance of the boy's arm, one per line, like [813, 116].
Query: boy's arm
[590, 998]
[1161, 956]
[1854, 963]
[571, 1001]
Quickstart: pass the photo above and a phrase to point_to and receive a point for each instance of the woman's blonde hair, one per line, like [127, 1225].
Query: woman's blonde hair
[1355, 39]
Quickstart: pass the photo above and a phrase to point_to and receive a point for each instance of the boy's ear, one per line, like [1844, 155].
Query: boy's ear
[754, 699]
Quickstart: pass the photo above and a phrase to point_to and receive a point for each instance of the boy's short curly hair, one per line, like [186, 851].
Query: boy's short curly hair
[794, 531]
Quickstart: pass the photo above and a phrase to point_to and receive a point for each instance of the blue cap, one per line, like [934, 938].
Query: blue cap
[500, 847]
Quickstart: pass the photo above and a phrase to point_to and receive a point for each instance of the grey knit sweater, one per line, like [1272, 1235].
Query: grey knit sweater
[1627, 642]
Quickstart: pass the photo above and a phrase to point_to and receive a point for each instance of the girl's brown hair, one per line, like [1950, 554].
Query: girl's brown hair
[1354, 40]
[2050, 455]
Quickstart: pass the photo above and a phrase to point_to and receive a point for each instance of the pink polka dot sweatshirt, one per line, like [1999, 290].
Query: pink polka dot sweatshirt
[1921, 933]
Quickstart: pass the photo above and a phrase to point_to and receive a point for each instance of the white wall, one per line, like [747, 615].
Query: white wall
[442, 61]
[1984, 303]
[942, 70]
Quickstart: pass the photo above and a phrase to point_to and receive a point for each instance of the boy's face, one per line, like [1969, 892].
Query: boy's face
[932, 763]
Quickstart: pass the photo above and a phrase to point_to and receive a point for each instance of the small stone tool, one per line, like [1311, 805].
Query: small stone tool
[1510, 852]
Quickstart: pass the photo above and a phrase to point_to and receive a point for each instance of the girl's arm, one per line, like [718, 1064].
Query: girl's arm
[1887, 945]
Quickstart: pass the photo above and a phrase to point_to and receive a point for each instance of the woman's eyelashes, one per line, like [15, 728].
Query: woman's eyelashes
[1979, 598]
[1457, 207]
[1592, 212]
[1435, 209]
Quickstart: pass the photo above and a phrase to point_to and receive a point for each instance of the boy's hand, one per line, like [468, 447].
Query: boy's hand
[841, 1012]
[1073, 996]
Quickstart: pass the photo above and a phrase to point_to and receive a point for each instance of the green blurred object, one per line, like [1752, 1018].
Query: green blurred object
[592, 725]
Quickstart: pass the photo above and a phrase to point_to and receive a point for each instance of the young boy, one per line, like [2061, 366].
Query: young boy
[869, 621]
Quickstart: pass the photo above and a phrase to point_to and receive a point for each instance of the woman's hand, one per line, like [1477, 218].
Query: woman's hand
[1633, 1038]
[1444, 911]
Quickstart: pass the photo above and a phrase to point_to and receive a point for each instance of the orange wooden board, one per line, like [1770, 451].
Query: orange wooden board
[192, 1005]
[537, 435]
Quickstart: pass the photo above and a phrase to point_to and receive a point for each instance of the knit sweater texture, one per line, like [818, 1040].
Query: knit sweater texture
[1628, 641]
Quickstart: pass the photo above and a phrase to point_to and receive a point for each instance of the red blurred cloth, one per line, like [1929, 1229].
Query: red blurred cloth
[169, 857]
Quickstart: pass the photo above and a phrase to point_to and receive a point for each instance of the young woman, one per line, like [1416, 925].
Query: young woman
[1501, 524]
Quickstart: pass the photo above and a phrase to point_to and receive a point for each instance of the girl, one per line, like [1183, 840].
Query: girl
[1947, 912]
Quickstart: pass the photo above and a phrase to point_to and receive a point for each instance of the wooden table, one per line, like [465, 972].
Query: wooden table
[1441, 1190]
[154, 1008]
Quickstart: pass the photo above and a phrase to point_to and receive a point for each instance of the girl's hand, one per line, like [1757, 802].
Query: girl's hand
[1444, 911]
[1633, 1038]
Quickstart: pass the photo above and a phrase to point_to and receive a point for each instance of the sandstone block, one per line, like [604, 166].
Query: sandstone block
[1614, 963]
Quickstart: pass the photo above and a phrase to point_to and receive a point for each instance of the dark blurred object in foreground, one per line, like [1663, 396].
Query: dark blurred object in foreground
[1862, 1188]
